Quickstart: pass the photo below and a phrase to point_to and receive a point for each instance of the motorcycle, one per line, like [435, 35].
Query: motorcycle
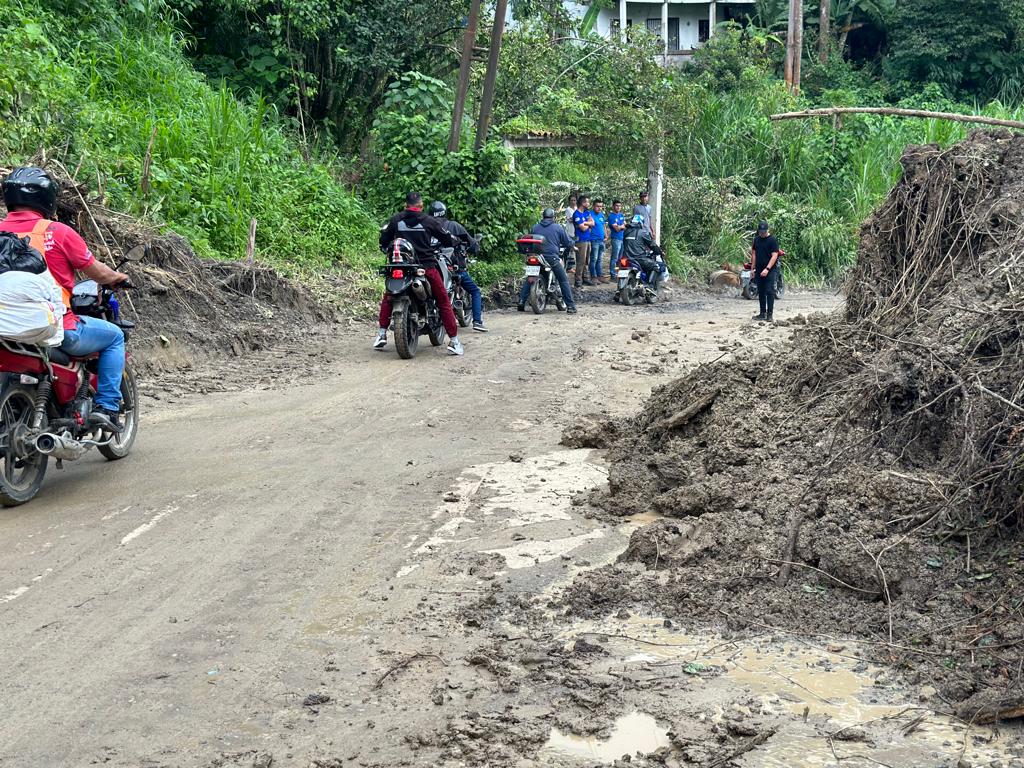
[634, 284]
[462, 304]
[414, 310]
[544, 286]
[46, 399]
[748, 283]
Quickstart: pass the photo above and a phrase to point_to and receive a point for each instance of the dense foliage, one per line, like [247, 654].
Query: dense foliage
[92, 91]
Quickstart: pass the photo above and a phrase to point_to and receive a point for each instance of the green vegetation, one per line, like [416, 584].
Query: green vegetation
[91, 90]
[315, 118]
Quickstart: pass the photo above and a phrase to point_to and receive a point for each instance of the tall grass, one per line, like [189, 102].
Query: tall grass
[217, 162]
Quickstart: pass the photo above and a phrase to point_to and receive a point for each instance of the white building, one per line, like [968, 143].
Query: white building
[689, 23]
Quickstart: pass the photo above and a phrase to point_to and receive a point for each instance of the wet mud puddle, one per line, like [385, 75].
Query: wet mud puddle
[826, 706]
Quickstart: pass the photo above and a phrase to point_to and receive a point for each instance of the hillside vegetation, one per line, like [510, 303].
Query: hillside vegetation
[314, 119]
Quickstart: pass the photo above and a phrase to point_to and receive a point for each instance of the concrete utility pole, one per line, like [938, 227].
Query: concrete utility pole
[483, 126]
[623, 20]
[664, 32]
[824, 31]
[465, 67]
[794, 45]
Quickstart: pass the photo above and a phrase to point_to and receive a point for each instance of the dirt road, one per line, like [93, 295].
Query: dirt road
[366, 529]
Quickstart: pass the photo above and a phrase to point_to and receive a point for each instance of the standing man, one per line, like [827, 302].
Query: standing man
[555, 240]
[764, 253]
[617, 230]
[598, 235]
[643, 208]
[583, 221]
[421, 231]
[570, 230]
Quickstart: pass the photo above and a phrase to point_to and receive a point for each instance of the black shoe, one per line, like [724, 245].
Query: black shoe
[520, 307]
[770, 319]
[761, 317]
[109, 421]
[571, 311]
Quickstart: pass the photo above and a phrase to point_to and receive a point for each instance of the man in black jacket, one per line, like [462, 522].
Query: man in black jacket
[424, 233]
[764, 255]
[638, 246]
[467, 245]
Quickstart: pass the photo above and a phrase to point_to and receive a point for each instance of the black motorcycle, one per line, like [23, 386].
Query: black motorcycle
[544, 286]
[414, 308]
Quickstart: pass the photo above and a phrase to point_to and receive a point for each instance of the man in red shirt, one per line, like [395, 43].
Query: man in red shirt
[30, 195]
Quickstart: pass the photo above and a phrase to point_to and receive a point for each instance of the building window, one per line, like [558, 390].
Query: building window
[654, 26]
[703, 30]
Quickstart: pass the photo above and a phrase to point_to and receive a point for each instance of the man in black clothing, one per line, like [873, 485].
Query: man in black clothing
[467, 245]
[639, 247]
[424, 233]
[764, 255]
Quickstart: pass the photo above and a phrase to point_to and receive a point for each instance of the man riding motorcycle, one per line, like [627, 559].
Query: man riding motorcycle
[30, 195]
[466, 244]
[421, 231]
[555, 240]
[638, 245]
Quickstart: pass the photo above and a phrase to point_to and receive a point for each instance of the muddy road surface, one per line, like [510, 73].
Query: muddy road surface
[349, 559]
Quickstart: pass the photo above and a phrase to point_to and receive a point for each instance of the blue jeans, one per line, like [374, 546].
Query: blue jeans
[563, 282]
[95, 335]
[473, 290]
[596, 254]
[614, 260]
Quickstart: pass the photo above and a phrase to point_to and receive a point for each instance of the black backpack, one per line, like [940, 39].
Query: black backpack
[17, 255]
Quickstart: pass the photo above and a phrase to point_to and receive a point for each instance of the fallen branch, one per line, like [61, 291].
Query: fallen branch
[745, 747]
[897, 112]
[403, 664]
[688, 413]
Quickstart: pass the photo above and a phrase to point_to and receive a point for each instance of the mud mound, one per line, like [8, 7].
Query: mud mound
[189, 309]
[867, 479]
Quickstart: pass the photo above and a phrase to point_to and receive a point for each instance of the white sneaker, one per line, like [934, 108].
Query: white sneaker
[455, 347]
[382, 339]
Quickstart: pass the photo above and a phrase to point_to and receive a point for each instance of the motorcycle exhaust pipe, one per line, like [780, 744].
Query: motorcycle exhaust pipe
[59, 447]
[419, 289]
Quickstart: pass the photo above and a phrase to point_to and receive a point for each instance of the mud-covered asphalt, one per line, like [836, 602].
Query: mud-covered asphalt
[306, 537]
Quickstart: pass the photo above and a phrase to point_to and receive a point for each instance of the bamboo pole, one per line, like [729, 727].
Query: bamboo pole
[897, 112]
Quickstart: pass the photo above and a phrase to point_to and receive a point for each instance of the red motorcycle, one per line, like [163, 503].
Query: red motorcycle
[46, 399]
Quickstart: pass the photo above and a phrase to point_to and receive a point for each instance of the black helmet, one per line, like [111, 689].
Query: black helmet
[438, 209]
[549, 213]
[33, 188]
[401, 251]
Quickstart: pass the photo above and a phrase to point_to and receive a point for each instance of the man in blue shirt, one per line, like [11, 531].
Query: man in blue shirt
[583, 221]
[617, 230]
[597, 237]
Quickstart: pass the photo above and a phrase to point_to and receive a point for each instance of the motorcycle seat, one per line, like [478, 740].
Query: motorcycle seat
[59, 356]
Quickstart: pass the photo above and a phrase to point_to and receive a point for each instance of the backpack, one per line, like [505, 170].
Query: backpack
[18, 255]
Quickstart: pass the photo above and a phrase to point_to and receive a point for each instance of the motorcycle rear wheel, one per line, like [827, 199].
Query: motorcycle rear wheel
[407, 334]
[18, 484]
[461, 310]
[435, 329]
[538, 298]
[626, 294]
[121, 445]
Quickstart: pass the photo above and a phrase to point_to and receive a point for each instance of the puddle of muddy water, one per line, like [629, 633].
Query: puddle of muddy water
[814, 691]
[632, 733]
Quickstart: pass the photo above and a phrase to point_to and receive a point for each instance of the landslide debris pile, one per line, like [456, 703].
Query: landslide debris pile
[867, 479]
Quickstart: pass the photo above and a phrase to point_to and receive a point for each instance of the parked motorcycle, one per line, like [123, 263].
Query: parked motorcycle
[46, 400]
[748, 283]
[634, 284]
[544, 287]
[414, 310]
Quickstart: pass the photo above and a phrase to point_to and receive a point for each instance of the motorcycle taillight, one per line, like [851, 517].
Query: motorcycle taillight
[533, 261]
[624, 262]
[397, 273]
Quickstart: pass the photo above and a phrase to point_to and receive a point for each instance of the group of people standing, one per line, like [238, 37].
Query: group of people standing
[597, 232]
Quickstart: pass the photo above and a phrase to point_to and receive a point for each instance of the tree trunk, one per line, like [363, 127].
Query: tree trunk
[824, 32]
[844, 33]
[790, 40]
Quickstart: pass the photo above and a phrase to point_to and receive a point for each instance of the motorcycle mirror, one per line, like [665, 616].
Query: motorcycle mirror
[138, 253]
[478, 236]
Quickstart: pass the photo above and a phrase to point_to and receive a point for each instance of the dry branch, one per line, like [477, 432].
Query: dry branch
[687, 414]
[897, 112]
